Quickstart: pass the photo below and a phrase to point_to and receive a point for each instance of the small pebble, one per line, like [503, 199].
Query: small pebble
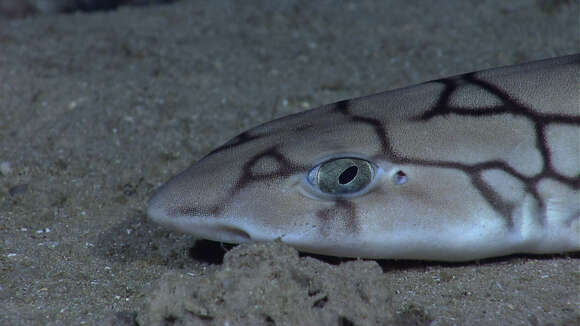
[18, 190]
[5, 168]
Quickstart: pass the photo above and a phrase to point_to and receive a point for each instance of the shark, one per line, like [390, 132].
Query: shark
[462, 168]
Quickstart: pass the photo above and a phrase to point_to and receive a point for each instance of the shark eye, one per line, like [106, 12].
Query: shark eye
[342, 176]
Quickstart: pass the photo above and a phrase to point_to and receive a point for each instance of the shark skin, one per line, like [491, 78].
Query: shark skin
[473, 166]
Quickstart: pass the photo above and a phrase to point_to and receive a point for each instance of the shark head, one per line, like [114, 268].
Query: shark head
[446, 170]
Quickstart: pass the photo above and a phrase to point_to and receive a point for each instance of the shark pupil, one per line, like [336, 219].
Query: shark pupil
[348, 175]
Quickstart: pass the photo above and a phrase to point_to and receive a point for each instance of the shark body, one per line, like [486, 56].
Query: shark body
[467, 167]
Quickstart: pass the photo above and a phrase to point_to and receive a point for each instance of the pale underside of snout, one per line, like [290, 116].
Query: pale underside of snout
[458, 243]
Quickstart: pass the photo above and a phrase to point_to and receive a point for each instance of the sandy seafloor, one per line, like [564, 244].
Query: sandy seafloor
[97, 110]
